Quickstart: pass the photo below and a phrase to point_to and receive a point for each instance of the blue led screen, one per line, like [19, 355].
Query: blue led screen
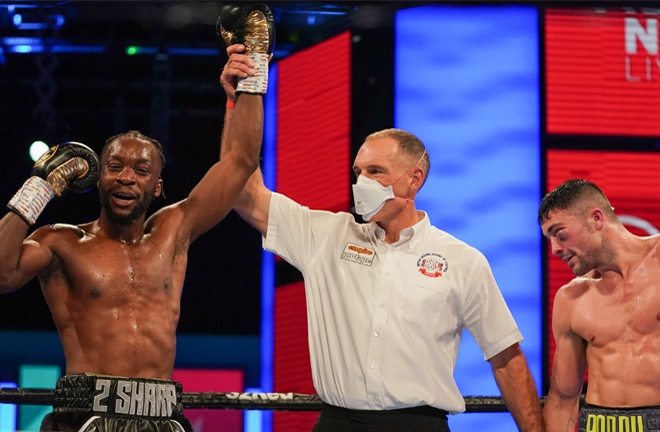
[467, 83]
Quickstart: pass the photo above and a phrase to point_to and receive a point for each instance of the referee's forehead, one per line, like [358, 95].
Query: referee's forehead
[381, 147]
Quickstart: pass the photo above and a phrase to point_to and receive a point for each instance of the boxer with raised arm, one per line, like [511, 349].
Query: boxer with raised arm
[114, 285]
[606, 319]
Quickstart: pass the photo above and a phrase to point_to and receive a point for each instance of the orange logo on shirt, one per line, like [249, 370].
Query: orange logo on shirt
[360, 250]
[358, 254]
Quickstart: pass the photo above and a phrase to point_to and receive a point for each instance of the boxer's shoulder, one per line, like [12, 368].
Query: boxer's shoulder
[166, 220]
[578, 287]
[58, 232]
[653, 243]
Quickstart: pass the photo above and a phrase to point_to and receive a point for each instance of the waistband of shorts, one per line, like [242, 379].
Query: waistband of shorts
[609, 419]
[110, 395]
[423, 410]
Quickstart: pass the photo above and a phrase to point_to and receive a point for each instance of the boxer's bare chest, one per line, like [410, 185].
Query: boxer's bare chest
[102, 269]
[623, 310]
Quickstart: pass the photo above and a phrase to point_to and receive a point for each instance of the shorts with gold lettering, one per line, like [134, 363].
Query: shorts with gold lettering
[99, 403]
[599, 419]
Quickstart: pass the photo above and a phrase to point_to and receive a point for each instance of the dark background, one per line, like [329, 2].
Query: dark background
[84, 87]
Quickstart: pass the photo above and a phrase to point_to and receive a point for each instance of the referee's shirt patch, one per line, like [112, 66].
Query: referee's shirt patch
[358, 254]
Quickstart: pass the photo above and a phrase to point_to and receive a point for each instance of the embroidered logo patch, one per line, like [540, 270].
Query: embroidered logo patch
[358, 254]
[432, 265]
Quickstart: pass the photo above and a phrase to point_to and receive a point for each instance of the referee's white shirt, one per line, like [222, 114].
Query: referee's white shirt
[385, 320]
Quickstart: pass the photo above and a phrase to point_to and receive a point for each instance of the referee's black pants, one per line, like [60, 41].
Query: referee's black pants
[417, 419]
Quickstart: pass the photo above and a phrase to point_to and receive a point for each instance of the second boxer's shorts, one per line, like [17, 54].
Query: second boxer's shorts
[599, 419]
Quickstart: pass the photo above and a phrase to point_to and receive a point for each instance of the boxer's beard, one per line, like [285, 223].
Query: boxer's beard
[593, 257]
[583, 267]
[125, 219]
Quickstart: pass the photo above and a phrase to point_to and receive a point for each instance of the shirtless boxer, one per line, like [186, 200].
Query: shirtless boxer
[114, 285]
[607, 318]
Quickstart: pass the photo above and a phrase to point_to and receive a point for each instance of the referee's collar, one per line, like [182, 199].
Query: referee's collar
[412, 235]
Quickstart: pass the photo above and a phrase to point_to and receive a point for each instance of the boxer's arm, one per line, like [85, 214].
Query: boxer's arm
[238, 66]
[213, 197]
[254, 201]
[518, 389]
[67, 166]
[21, 259]
[210, 201]
[569, 365]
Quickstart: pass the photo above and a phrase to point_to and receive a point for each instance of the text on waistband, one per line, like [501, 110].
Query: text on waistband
[135, 398]
[614, 423]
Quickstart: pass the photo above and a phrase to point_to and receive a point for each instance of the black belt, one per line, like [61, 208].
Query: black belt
[423, 410]
[131, 397]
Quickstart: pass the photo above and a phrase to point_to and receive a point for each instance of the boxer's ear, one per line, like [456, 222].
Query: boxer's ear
[159, 192]
[597, 216]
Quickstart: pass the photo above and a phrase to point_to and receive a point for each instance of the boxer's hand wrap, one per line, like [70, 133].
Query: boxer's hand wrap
[252, 25]
[68, 166]
[31, 199]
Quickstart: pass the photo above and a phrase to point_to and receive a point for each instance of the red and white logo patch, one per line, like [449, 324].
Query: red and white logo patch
[432, 265]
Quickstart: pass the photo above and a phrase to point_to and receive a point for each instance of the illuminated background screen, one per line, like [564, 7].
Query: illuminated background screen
[471, 93]
[603, 71]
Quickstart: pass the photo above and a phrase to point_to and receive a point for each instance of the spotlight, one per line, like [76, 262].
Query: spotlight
[37, 148]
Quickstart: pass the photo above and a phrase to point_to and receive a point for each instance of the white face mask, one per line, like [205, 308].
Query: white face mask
[370, 196]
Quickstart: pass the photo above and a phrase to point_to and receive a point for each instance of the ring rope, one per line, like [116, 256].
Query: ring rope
[242, 401]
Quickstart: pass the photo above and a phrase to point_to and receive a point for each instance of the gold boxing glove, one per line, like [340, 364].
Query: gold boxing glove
[253, 26]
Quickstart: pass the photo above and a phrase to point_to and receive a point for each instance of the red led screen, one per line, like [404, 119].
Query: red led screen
[313, 168]
[293, 372]
[212, 380]
[630, 180]
[602, 71]
[313, 125]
